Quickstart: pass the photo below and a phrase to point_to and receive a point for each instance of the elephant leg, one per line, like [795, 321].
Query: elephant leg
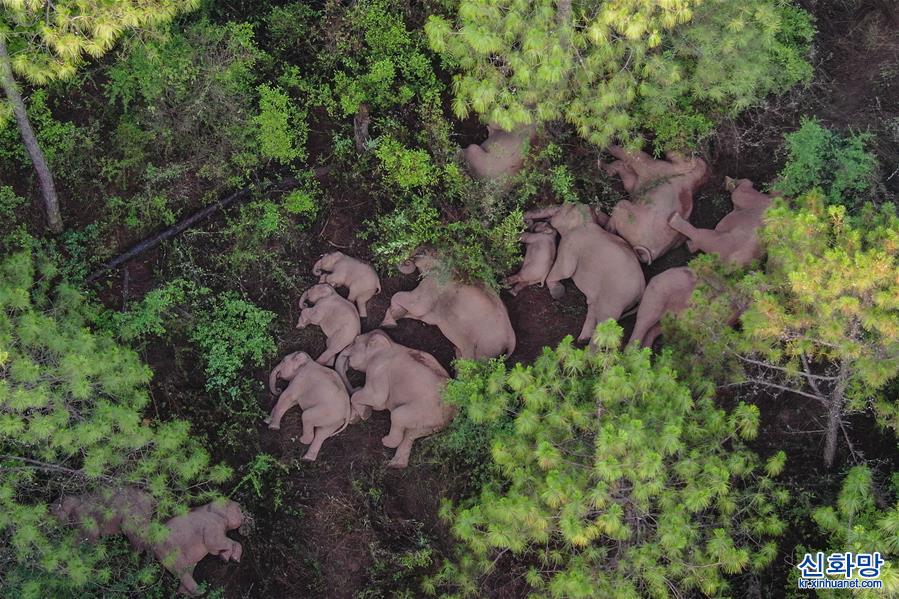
[624, 171]
[321, 433]
[404, 449]
[563, 268]
[285, 402]
[394, 313]
[335, 344]
[519, 287]
[652, 307]
[309, 419]
[707, 240]
[650, 337]
[188, 584]
[397, 430]
[589, 324]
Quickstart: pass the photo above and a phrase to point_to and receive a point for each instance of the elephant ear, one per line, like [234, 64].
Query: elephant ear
[378, 341]
[233, 515]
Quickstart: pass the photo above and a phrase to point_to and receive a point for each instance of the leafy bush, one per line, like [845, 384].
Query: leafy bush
[612, 479]
[841, 167]
[72, 421]
[282, 126]
[822, 319]
[856, 524]
[613, 68]
[404, 167]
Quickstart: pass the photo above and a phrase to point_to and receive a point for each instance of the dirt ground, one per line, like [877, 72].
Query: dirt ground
[342, 517]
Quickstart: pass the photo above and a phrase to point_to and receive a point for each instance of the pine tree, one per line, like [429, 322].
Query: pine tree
[72, 421]
[822, 318]
[612, 479]
[45, 41]
[612, 68]
[856, 524]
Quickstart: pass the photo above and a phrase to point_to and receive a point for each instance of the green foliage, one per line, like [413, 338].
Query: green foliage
[49, 41]
[613, 480]
[72, 421]
[856, 524]
[822, 318]
[404, 167]
[282, 126]
[231, 333]
[613, 68]
[841, 167]
[371, 58]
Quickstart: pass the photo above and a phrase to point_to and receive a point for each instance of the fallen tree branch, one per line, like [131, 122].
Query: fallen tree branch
[178, 228]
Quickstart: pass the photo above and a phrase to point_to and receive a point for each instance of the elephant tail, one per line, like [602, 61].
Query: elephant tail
[346, 422]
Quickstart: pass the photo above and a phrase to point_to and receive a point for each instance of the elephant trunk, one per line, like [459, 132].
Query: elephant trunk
[273, 380]
[340, 365]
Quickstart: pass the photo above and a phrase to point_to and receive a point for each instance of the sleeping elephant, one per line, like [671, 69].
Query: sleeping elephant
[501, 155]
[668, 292]
[193, 535]
[403, 380]
[336, 316]
[471, 316]
[735, 238]
[602, 265]
[127, 511]
[538, 257]
[659, 188]
[318, 391]
[339, 270]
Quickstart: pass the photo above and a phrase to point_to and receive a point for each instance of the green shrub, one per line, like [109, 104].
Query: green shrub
[841, 167]
[282, 126]
[72, 420]
[611, 480]
[404, 167]
[856, 524]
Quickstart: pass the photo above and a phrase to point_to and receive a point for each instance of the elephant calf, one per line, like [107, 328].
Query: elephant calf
[668, 292]
[471, 316]
[339, 270]
[602, 265]
[735, 238]
[337, 317]
[501, 155]
[193, 535]
[659, 189]
[318, 391]
[403, 380]
[128, 510]
[538, 257]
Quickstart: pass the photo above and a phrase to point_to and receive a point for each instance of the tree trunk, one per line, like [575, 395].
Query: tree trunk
[834, 416]
[44, 176]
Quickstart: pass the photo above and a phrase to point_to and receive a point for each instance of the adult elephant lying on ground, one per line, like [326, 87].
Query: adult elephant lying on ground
[602, 265]
[471, 316]
[403, 380]
[336, 316]
[667, 293]
[735, 238]
[658, 188]
[501, 154]
[128, 510]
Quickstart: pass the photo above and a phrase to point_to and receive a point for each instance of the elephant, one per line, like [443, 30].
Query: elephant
[336, 316]
[471, 316]
[193, 535]
[668, 292]
[501, 155]
[128, 510]
[735, 238]
[538, 257]
[318, 391]
[406, 381]
[659, 188]
[603, 266]
[339, 270]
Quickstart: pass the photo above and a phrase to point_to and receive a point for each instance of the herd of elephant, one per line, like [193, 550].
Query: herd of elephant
[601, 254]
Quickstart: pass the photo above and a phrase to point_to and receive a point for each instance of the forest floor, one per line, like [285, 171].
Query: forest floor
[341, 527]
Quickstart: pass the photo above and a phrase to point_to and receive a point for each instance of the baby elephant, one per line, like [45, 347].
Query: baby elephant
[193, 535]
[403, 380]
[318, 391]
[735, 238]
[339, 270]
[501, 155]
[321, 305]
[538, 257]
[128, 510]
[666, 293]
